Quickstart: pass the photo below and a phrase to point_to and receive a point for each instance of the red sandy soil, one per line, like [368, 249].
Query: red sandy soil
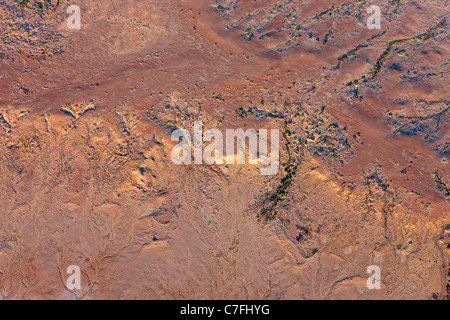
[87, 179]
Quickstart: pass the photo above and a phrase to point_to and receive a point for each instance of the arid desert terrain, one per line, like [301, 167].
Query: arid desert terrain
[87, 179]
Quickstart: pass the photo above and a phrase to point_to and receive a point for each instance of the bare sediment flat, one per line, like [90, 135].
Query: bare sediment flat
[86, 117]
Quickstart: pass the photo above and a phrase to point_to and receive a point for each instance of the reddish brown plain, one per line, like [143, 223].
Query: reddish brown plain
[87, 178]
